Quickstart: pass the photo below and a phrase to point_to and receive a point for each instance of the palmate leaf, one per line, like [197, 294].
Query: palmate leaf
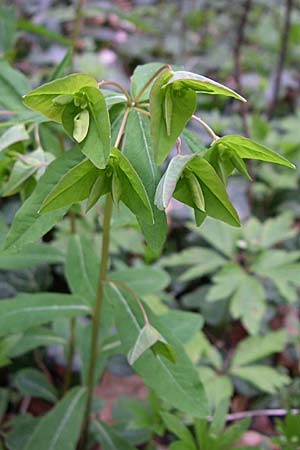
[28, 225]
[138, 150]
[59, 429]
[41, 98]
[266, 379]
[179, 383]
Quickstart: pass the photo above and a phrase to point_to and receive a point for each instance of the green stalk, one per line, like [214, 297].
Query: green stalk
[99, 299]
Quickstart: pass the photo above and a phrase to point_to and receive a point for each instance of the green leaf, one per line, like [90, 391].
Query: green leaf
[141, 75]
[31, 255]
[62, 66]
[193, 141]
[142, 280]
[109, 438]
[96, 145]
[219, 235]
[248, 303]
[8, 27]
[113, 97]
[168, 182]
[81, 125]
[186, 323]
[147, 338]
[179, 384]
[73, 187]
[19, 175]
[59, 429]
[199, 83]
[12, 135]
[183, 105]
[41, 98]
[282, 268]
[174, 425]
[28, 225]
[256, 347]
[217, 202]
[182, 445]
[4, 399]
[219, 418]
[101, 186]
[28, 25]
[23, 426]
[82, 267]
[138, 149]
[264, 378]
[278, 229]
[234, 432]
[13, 84]
[133, 194]
[246, 149]
[33, 338]
[33, 383]
[27, 310]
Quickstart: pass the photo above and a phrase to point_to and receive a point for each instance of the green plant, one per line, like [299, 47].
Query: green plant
[120, 139]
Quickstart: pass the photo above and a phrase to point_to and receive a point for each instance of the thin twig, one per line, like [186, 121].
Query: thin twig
[178, 146]
[281, 57]
[118, 86]
[37, 136]
[260, 413]
[121, 129]
[143, 111]
[210, 131]
[240, 39]
[40, 364]
[134, 296]
[146, 85]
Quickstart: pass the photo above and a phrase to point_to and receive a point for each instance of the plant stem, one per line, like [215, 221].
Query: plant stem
[140, 93]
[281, 57]
[99, 298]
[96, 315]
[71, 340]
[77, 23]
[143, 111]
[240, 39]
[207, 127]
[118, 86]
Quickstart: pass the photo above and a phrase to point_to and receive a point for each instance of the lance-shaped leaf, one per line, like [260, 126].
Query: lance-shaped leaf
[138, 149]
[150, 338]
[81, 268]
[73, 187]
[170, 111]
[27, 310]
[28, 225]
[59, 429]
[35, 384]
[179, 383]
[42, 99]
[109, 438]
[101, 186]
[217, 202]
[94, 136]
[182, 79]
[227, 151]
[133, 192]
[14, 134]
[167, 184]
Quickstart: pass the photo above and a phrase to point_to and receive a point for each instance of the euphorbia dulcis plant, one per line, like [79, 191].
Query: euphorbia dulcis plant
[120, 140]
